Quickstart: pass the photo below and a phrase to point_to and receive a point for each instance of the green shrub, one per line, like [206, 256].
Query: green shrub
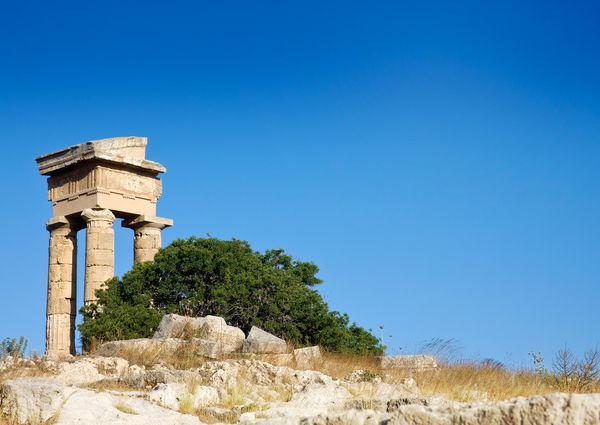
[201, 276]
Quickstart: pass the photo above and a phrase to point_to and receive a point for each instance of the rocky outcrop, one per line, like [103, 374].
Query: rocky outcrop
[552, 409]
[174, 395]
[254, 392]
[42, 400]
[259, 341]
[32, 400]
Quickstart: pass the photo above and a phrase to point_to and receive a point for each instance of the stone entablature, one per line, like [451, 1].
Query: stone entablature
[101, 173]
[129, 151]
[90, 185]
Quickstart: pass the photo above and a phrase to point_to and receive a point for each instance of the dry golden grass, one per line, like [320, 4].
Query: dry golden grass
[185, 357]
[471, 381]
[21, 372]
[339, 365]
[465, 381]
[110, 385]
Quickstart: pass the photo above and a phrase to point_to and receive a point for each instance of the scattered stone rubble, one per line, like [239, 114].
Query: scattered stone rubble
[212, 338]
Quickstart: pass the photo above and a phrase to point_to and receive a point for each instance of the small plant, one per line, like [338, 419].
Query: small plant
[13, 347]
[571, 374]
[538, 363]
[125, 408]
[186, 405]
[444, 350]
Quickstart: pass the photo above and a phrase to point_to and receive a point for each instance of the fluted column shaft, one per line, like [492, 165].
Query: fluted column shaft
[61, 307]
[146, 243]
[99, 250]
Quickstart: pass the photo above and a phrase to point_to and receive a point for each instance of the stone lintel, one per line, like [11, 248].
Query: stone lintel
[147, 221]
[127, 151]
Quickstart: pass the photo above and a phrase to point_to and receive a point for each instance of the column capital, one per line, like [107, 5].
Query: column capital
[92, 214]
[147, 221]
[56, 222]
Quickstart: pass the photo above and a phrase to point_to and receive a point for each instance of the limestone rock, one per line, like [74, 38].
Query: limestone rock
[78, 373]
[110, 366]
[260, 341]
[172, 395]
[307, 357]
[412, 362]
[551, 409]
[168, 395]
[88, 407]
[32, 400]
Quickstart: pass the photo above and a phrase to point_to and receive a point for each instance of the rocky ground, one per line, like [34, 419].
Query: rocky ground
[201, 370]
[110, 390]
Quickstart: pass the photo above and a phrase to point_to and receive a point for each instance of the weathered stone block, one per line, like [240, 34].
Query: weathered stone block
[215, 329]
[259, 341]
[412, 362]
[308, 357]
[174, 326]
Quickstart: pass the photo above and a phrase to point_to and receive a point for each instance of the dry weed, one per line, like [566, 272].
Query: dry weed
[184, 357]
[125, 408]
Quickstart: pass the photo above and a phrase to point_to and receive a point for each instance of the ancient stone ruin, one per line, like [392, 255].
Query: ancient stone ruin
[90, 185]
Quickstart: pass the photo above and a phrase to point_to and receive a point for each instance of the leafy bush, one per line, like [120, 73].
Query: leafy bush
[201, 276]
[13, 347]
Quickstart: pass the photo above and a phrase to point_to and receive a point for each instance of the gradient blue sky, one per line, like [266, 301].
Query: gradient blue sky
[440, 161]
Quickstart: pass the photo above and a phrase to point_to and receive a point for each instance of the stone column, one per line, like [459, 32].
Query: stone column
[99, 250]
[61, 307]
[147, 236]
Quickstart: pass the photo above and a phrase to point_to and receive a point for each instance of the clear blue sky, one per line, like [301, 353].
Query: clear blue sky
[440, 161]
